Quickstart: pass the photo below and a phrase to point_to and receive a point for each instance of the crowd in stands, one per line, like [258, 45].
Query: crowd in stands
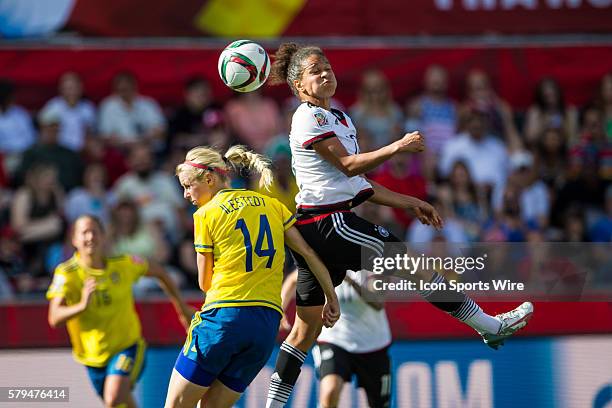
[495, 174]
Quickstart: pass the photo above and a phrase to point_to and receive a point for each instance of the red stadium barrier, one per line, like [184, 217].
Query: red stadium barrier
[341, 17]
[25, 325]
[161, 72]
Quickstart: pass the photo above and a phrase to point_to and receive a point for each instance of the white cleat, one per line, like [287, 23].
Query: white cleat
[511, 322]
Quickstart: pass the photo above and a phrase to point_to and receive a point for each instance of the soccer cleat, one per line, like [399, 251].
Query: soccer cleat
[511, 322]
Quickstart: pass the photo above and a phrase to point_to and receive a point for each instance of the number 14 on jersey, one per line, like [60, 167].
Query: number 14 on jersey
[264, 233]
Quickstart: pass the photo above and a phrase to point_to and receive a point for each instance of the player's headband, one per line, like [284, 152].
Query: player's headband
[204, 167]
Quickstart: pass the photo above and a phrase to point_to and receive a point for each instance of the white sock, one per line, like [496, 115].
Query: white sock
[483, 323]
[270, 403]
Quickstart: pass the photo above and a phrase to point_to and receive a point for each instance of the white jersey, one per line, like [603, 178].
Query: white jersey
[320, 183]
[361, 328]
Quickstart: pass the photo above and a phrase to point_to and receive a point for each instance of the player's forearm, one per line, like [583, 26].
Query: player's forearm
[171, 291]
[384, 196]
[59, 315]
[296, 242]
[320, 272]
[364, 162]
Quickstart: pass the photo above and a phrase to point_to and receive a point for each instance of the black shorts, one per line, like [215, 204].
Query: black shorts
[343, 241]
[373, 370]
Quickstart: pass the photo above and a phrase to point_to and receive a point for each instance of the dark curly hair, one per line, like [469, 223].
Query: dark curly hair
[287, 65]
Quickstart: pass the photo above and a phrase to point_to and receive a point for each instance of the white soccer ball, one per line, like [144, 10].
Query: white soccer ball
[244, 66]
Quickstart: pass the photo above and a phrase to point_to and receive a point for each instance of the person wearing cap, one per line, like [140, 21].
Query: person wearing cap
[48, 150]
[534, 198]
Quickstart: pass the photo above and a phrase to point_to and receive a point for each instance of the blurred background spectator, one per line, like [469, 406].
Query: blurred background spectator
[402, 174]
[16, 129]
[126, 117]
[77, 115]
[485, 156]
[433, 112]
[376, 116]
[36, 217]
[603, 102]
[187, 127]
[130, 235]
[460, 197]
[481, 96]
[47, 149]
[92, 198]
[549, 111]
[533, 194]
[253, 118]
[155, 192]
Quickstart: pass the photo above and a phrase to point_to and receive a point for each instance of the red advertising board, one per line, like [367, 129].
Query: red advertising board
[274, 18]
[25, 325]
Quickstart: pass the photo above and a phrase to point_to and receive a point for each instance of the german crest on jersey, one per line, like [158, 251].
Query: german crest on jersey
[321, 118]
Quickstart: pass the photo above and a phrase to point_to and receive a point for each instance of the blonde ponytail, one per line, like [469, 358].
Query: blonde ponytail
[201, 159]
[241, 156]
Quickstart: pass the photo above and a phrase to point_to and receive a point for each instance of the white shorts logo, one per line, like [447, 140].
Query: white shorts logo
[327, 354]
[382, 231]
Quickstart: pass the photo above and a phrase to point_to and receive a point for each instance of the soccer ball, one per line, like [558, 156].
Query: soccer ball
[244, 66]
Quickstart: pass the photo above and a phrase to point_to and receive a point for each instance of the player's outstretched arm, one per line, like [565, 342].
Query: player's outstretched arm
[295, 241]
[59, 313]
[334, 152]
[183, 310]
[424, 211]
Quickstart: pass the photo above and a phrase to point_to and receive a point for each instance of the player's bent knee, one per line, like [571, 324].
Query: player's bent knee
[304, 333]
[303, 338]
[329, 399]
[115, 401]
[117, 391]
[331, 387]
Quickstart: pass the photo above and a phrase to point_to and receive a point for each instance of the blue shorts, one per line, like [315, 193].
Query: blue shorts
[128, 362]
[231, 344]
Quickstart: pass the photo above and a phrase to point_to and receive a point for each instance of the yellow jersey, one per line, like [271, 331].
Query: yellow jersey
[110, 323]
[245, 231]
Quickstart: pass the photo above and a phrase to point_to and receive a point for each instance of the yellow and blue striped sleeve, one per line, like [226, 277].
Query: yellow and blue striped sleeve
[59, 284]
[202, 240]
[288, 217]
